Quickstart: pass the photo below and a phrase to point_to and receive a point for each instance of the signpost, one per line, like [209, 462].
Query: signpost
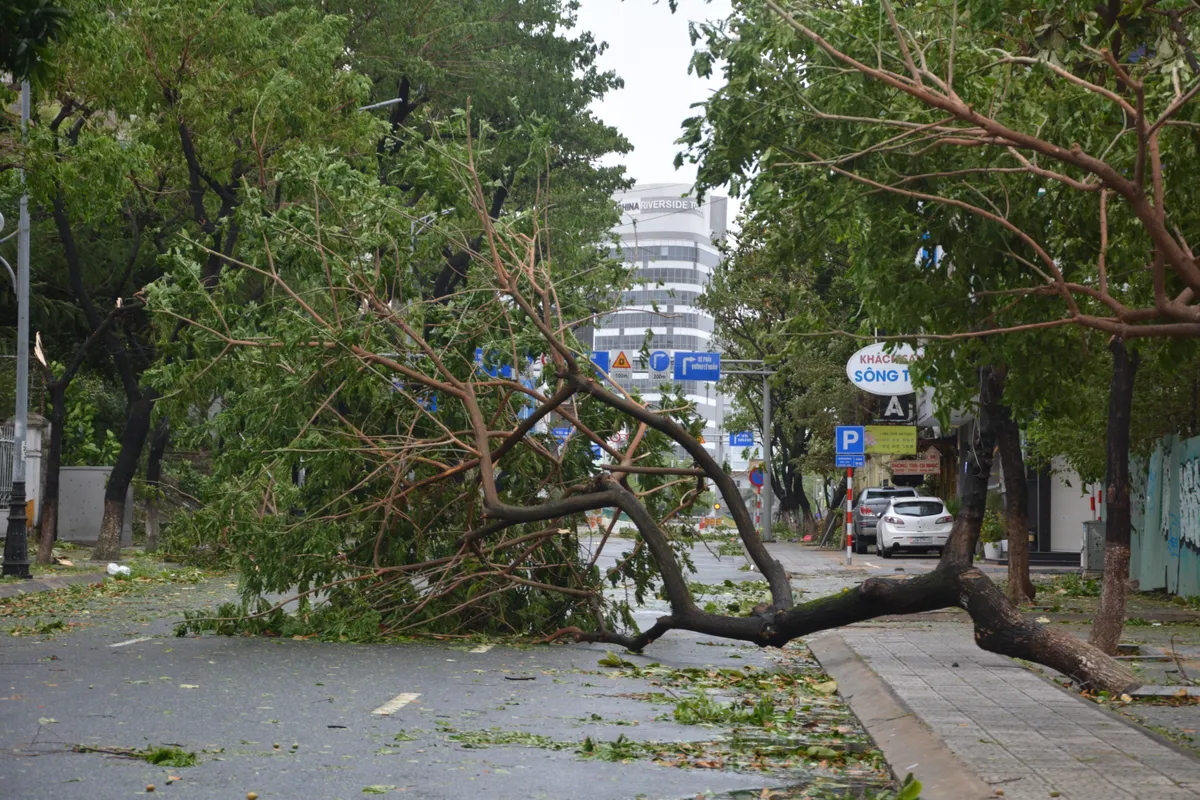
[489, 365]
[743, 439]
[622, 369]
[757, 478]
[600, 359]
[850, 443]
[851, 440]
[660, 365]
[698, 367]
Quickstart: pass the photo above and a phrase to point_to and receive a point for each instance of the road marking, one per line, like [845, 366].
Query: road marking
[483, 648]
[396, 703]
[132, 641]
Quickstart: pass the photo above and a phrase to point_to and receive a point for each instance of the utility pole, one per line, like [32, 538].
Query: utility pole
[16, 541]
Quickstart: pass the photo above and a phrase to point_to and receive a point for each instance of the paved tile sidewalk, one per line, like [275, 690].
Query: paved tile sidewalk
[1019, 732]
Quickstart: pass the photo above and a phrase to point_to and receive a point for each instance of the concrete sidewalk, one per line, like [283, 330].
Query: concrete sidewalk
[987, 725]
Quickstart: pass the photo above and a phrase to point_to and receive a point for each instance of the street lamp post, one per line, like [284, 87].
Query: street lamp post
[16, 540]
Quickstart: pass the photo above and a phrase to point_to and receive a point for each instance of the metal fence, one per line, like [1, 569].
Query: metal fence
[6, 464]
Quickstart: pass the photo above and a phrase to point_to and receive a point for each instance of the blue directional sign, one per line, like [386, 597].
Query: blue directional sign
[597, 451]
[697, 366]
[743, 439]
[850, 461]
[562, 434]
[527, 405]
[850, 440]
[660, 361]
[489, 365]
[600, 359]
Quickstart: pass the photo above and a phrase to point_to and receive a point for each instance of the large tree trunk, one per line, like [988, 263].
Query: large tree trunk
[1016, 493]
[793, 500]
[1110, 614]
[48, 532]
[133, 439]
[158, 447]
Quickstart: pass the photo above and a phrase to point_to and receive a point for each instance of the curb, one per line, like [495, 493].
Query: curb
[907, 744]
[50, 583]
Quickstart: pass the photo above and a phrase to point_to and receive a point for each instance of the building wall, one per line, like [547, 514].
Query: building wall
[670, 239]
[1070, 507]
[1166, 518]
[81, 505]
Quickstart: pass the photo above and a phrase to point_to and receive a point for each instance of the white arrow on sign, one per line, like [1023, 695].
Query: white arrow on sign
[687, 360]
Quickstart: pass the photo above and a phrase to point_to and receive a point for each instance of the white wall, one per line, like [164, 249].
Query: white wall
[81, 505]
[1070, 507]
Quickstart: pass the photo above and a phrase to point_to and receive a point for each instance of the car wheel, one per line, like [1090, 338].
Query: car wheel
[884, 552]
[860, 546]
[938, 551]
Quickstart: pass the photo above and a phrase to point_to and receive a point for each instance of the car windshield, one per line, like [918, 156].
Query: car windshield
[923, 508]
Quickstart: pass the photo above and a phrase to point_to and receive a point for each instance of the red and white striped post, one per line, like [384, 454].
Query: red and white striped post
[849, 515]
[758, 510]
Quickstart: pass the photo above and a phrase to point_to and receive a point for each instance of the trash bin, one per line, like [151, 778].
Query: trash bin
[1092, 556]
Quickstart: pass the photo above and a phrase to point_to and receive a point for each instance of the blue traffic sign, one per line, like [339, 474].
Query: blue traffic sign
[660, 361]
[850, 439]
[527, 404]
[596, 451]
[756, 477]
[697, 366]
[743, 439]
[562, 434]
[488, 365]
[850, 461]
[600, 359]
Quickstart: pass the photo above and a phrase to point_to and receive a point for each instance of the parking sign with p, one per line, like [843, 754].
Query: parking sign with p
[850, 440]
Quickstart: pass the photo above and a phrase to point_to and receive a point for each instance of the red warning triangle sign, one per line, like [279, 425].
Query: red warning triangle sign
[622, 361]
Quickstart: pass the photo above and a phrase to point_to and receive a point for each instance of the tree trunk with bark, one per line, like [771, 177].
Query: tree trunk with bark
[1110, 614]
[792, 500]
[48, 531]
[1016, 495]
[133, 439]
[158, 447]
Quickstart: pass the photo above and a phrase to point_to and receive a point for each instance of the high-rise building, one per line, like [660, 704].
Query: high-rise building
[669, 239]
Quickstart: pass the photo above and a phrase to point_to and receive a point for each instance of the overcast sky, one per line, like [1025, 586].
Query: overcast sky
[649, 47]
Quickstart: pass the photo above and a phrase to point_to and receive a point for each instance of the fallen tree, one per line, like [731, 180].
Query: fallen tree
[446, 498]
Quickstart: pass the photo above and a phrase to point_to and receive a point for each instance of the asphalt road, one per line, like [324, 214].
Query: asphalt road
[124, 681]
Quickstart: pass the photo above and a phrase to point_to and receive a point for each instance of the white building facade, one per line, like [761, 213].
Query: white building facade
[670, 238]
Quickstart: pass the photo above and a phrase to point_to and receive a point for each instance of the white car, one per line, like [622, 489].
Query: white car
[913, 523]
